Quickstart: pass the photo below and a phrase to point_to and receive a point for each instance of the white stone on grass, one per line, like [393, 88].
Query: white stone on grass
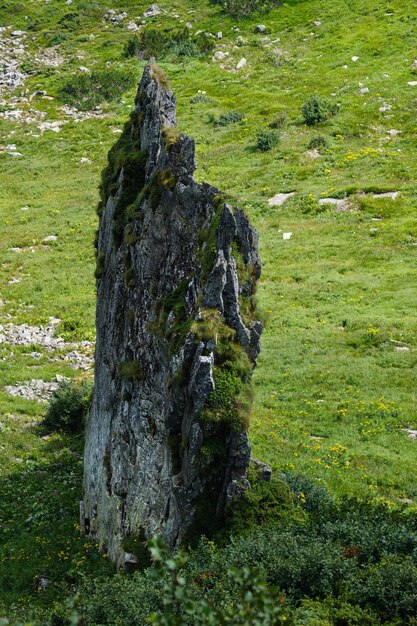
[286, 236]
[280, 198]
[388, 194]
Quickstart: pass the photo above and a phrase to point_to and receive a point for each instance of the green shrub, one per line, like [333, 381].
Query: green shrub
[264, 503]
[267, 140]
[132, 47]
[309, 205]
[200, 97]
[319, 142]
[153, 42]
[280, 120]
[316, 109]
[233, 117]
[244, 8]
[71, 21]
[56, 39]
[86, 91]
[315, 499]
[68, 407]
[390, 587]
[251, 602]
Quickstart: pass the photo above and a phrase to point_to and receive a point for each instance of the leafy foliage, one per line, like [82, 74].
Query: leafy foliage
[68, 407]
[86, 91]
[153, 42]
[227, 118]
[316, 109]
[266, 140]
[253, 601]
[245, 8]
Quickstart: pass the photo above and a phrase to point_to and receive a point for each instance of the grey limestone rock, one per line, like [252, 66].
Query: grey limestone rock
[177, 338]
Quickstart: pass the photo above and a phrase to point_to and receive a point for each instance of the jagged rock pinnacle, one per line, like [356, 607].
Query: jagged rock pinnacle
[177, 339]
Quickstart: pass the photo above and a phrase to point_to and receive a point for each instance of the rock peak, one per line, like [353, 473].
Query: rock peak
[177, 339]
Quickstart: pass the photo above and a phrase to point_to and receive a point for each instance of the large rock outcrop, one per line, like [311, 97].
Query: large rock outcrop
[177, 339]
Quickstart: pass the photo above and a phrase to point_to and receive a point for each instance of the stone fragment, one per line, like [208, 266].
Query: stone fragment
[241, 64]
[153, 10]
[280, 198]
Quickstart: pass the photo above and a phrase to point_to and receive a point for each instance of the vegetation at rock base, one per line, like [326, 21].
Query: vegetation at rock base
[68, 407]
[335, 380]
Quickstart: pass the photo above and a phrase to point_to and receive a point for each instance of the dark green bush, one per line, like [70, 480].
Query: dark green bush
[56, 39]
[267, 140]
[315, 499]
[317, 109]
[264, 503]
[233, 117]
[68, 407]
[86, 91]
[153, 42]
[71, 21]
[390, 587]
[319, 142]
[132, 47]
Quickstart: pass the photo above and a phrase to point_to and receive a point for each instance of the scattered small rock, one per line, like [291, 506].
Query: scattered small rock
[388, 194]
[280, 198]
[153, 10]
[241, 64]
[286, 236]
[411, 433]
[132, 26]
[261, 28]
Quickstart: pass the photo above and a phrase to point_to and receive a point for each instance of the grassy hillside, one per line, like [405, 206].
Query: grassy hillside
[335, 383]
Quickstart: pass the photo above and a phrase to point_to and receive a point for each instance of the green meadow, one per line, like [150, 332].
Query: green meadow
[334, 389]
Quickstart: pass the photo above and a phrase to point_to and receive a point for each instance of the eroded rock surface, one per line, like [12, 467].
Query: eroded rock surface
[177, 339]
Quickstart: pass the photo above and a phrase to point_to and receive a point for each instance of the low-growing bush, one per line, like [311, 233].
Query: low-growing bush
[390, 587]
[316, 109]
[153, 42]
[244, 8]
[56, 39]
[319, 142]
[68, 407]
[233, 117]
[309, 205]
[267, 140]
[132, 47]
[279, 121]
[86, 91]
[264, 503]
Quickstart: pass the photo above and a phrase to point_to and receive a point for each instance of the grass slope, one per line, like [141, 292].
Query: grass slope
[332, 389]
